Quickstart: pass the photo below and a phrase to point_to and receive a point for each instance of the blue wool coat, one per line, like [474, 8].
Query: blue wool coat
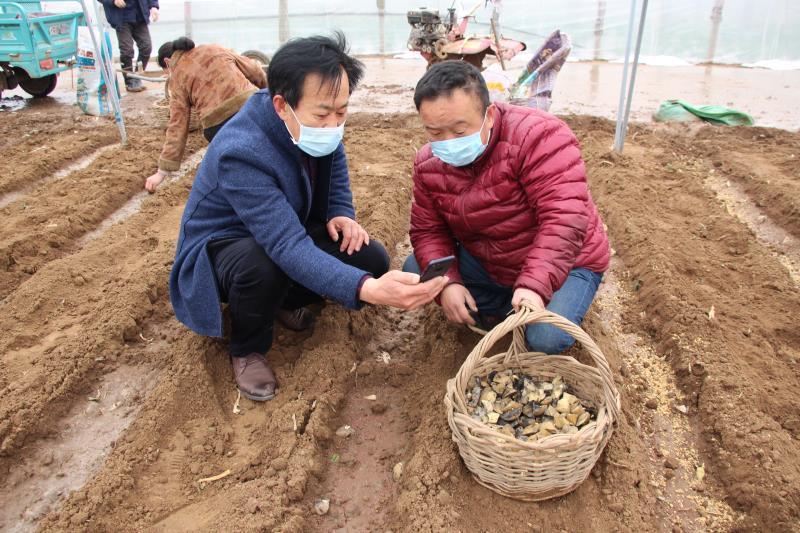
[252, 183]
[114, 14]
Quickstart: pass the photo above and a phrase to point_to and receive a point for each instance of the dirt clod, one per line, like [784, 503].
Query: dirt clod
[397, 471]
[252, 506]
[615, 507]
[279, 464]
[698, 369]
[345, 431]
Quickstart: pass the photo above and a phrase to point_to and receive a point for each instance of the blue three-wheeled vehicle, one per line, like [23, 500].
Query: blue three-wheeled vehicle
[35, 46]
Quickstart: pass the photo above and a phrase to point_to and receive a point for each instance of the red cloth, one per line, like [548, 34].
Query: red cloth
[522, 209]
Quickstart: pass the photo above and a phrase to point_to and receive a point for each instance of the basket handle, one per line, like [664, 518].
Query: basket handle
[529, 315]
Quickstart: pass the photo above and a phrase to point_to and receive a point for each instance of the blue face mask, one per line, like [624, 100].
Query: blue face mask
[317, 142]
[460, 151]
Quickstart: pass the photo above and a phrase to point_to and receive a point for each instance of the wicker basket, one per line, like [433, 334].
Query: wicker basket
[555, 465]
[161, 112]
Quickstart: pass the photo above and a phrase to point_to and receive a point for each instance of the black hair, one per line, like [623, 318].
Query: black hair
[445, 77]
[170, 47]
[319, 54]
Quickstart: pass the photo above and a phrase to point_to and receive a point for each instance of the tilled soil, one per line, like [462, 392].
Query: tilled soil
[111, 412]
[767, 164]
[719, 308]
[47, 221]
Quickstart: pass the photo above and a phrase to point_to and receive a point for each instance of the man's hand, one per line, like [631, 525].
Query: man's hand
[353, 235]
[153, 181]
[526, 295]
[401, 289]
[120, 3]
[153, 14]
[456, 300]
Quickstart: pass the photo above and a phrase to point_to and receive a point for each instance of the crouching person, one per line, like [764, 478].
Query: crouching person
[269, 226]
[503, 188]
[211, 80]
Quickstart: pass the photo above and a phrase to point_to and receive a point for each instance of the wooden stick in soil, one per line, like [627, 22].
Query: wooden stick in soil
[497, 43]
[204, 480]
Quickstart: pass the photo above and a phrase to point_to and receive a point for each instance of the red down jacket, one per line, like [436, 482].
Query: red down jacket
[522, 209]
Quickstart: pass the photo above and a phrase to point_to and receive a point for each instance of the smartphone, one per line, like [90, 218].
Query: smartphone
[436, 268]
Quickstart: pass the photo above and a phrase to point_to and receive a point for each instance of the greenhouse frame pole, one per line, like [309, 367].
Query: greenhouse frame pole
[623, 111]
[103, 61]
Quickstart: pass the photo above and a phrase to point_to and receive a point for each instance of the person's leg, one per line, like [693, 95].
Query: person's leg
[125, 38]
[493, 300]
[141, 34]
[571, 301]
[372, 258]
[411, 265]
[254, 287]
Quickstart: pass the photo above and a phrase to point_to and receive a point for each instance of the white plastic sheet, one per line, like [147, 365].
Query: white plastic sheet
[749, 31]
[92, 92]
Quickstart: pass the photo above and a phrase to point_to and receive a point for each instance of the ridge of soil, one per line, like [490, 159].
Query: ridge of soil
[40, 154]
[767, 164]
[739, 364]
[46, 223]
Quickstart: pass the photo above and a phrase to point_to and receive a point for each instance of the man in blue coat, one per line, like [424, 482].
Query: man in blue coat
[269, 226]
[130, 19]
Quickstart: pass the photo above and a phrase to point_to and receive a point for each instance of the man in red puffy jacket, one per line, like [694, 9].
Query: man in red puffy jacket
[503, 188]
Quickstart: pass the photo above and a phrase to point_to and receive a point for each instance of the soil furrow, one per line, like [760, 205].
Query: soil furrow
[630, 487]
[150, 476]
[438, 493]
[719, 307]
[47, 223]
[45, 122]
[767, 166]
[785, 247]
[34, 158]
[119, 281]
[695, 318]
[133, 205]
[684, 502]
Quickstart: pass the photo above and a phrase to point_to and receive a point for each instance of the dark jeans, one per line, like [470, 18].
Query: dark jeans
[571, 300]
[255, 288]
[126, 35]
[210, 132]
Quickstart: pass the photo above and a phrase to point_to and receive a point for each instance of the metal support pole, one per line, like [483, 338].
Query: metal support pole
[187, 18]
[716, 18]
[621, 108]
[102, 59]
[633, 73]
[107, 62]
[381, 4]
[599, 25]
[283, 21]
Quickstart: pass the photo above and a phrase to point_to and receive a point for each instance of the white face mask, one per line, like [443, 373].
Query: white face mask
[317, 142]
[461, 151]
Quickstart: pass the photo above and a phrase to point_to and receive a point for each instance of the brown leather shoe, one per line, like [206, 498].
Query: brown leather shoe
[297, 320]
[254, 377]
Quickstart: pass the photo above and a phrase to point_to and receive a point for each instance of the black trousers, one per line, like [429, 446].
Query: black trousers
[255, 288]
[126, 35]
[210, 132]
